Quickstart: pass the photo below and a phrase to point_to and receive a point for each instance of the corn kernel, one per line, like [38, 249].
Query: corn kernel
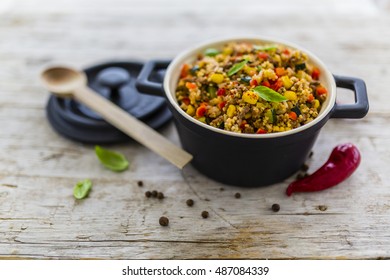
[227, 50]
[249, 70]
[290, 95]
[217, 78]
[248, 115]
[316, 103]
[231, 111]
[250, 97]
[286, 82]
[202, 119]
[190, 110]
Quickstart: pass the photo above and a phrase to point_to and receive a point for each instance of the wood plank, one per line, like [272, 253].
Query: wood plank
[39, 218]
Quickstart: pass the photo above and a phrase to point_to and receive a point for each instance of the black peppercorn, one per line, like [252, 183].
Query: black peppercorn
[140, 184]
[189, 202]
[154, 193]
[205, 214]
[164, 221]
[275, 207]
[237, 195]
[148, 194]
[160, 195]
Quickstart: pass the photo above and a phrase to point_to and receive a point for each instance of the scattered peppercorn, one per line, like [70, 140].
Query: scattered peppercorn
[304, 167]
[205, 214]
[275, 207]
[154, 193]
[140, 184]
[148, 194]
[160, 195]
[164, 221]
[311, 154]
[190, 202]
[237, 195]
[322, 207]
[221, 189]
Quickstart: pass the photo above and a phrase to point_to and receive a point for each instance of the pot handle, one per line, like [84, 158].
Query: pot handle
[145, 82]
[358, 109]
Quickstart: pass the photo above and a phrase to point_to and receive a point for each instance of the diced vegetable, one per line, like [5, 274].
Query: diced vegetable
[286, 82]
[315, 74]
[184, 70]
[250, 97]
[221, 105]
[262, 55]
[253, 83]
[216, 78]
[190, 110]
[231, 111]
[321, 90]
[293, 116]
[280, 71]
[316, 103]
[212, 91]
[301, 66]
[290, 95]
[246, 79]
[194, 69]
[296, 110]
[200, 111]
[221, 91]
[310, 98]
[261, 131]
[191, 85]
[271, 115]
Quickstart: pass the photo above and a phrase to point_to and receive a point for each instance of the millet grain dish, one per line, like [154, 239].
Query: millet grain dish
[248, 88]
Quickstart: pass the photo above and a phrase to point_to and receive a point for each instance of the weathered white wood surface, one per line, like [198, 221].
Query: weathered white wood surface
[39, 217]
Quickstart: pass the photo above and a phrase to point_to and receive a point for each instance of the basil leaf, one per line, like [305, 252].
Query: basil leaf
[82, 188]
[269, 94]
[265, 48]
[237, 67]
[211, 52]
[112, 160]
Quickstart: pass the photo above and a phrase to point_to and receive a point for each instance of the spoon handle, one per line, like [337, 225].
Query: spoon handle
[133, 127]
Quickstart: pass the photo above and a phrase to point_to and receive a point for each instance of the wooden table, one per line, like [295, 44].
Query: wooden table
[39, 218]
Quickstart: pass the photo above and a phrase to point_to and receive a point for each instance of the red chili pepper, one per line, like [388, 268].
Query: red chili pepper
[343, 161]
[186, 101]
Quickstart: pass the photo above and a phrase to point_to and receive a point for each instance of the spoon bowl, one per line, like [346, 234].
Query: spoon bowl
[63, 81]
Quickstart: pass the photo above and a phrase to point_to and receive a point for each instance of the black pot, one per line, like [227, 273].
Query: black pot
[249, 159]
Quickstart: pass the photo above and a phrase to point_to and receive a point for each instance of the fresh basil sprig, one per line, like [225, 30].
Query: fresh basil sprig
[112, 160]
[82, 188]
[269, 94]
[237, 67]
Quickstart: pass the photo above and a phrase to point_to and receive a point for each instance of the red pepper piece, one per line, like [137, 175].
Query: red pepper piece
[343, 161]
[221, 91]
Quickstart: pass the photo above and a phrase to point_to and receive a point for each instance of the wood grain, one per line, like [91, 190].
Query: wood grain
[39, 218]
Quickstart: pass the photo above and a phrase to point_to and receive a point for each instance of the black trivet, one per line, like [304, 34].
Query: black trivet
[116, 82]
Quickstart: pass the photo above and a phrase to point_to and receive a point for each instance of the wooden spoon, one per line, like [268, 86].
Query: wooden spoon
[66, 82]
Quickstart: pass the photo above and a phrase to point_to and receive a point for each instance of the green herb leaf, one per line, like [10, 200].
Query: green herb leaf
[112, 160]
[82, 188]
[269, 94]
[211, 52]
[237, 67]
